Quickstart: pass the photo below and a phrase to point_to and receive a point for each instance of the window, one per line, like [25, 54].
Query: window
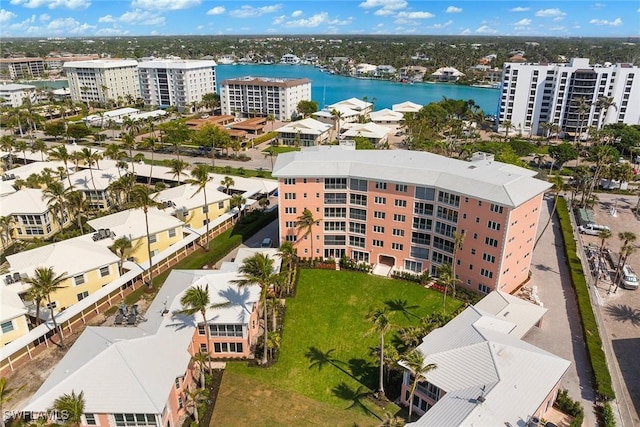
[131, 420]
[203, 348]
[289, 181]
[381, 185]
[448, 198]
[289, 196]
[201, 330]
[335, 225]
[7, 326]
[420, 238]
[495, 208]
[358, 184]
[335, 198]
[82, 295]
[104, 271]
[397, 246]
[153, 238]
[491, 242]
[445, 229]
[420, 208]
[360, 256]
[220, 206]
[171, 232]
[225, 331]
[445, 245]
[421, 253]
[378, 243]
[336, 212]
[379, 215]
[441, 258]
[414, 266]
[334, 240]
[378, 229]
[79, 279]
[493, 225]
[489, 258]
[290, 224]
[379, 200]
[398, 232]
[290, 210]
[424, 193]
[486, 273]
[422, 223]
[335, 183]
[180, 403]
[52, 306]
[400, 203]
[483, 288]
[178, 382]
[224, 347]
[358, 199]
[290, 238]
[402, 188]
[356, 241]
[447, 214]
[90, 419]
[360, 214]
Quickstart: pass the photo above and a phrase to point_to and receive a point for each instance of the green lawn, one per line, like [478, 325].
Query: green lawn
[329, 314]
[280, 149]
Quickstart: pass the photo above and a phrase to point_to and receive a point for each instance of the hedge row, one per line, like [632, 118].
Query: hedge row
[265, 137]
[590, 328]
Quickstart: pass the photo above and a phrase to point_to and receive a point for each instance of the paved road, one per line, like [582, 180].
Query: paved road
[561, 332]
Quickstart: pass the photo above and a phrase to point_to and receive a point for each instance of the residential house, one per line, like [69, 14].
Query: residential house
[485, 373]
[406, 107]
[94, 184]
[375, 133]
[164, 231]
[13, 315]
[386, 117]
[446, 75]
[33, 217]
[14, 95]
[305, 133]
[186, 202]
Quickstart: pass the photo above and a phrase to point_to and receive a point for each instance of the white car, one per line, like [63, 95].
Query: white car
[592, 229]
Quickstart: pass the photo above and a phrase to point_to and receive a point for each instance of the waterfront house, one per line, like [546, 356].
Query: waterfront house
[186, 202]
[485, 373]
[446, 75]
[406, 107]
[386, 117]
[375, 133]
[164, 231]
[290, 59]
[306, 133]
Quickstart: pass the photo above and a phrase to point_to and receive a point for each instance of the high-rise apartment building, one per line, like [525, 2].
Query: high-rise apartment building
[21, 68]
[402, 210]
[178, 83]
[101, 79]
[567, 95]
[262, 96]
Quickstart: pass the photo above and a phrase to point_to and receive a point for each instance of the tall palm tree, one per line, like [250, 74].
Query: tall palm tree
[238, 201]
[21, 145]
[39, 146]
[150, 143]
[196, 300]
[202, 359]
[78, 204]
[603, 104]
[603, 235]
[36, 296]
[227, 182]
[6, 395]
[129, 142]
[336, 115]
[46, 282]
[200, 178]
[458, 240]
[90, 157]
[177, 169]
[142, 199]
[558, 186]
[415, 363]
[55, 194]
[379, 317]
[193, 399]
[72, 406]
[446, 279]
[122, 247]
[258, 270]
[304, 224]
[287, 254]
[6, 228]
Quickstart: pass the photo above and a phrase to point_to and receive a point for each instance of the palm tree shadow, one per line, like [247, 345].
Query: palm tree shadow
[364, 371]
[355, 396]
[319, 359]
[624, 313]
[402, 306]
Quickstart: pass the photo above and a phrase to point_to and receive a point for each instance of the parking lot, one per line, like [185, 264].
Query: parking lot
[621, 310]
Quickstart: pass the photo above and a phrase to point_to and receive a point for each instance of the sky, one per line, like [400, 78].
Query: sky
[75, 18]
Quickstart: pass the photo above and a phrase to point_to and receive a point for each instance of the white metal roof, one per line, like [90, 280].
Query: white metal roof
[101, 63]
[187, 196]
[496, 182]
[11, 87]
[367, 130]
[352, 103]
[386, 115]
[307, 126]
[178, 64]
[95, 179]
[37, 167]
[25, 201]
[11, 306]
[478, 354]
[131, 223]
[407, 107]
[513, 309]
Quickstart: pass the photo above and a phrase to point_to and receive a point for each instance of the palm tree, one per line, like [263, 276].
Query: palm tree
[60, 152]
[6, 395]
[287, 254]
[141, 198]
[603, 235]
[6, 228]
[121, 247]
[271, 118]
[258, 270]
[458, 240]
[150, 143]
[447, 280]
[129, 142]
[603, 104]
[415, 363]
[72, 406]
[304, 224]
[177, 169]
[39, 146]
[90, 157]
[193, 399]
[46, 282]
[21, 145]
[558, 186]
[202, 359]
[56, 194]
[227, 182]
[379, 317]
[508, 125]
[196, 300]
[238, 201]
[78, 204]
[201, 178]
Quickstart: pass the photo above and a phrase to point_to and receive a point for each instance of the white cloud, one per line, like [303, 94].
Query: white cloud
[111, 32]
[164, 4]
[444, 25]
[599, 5]
[615, 23]
[550, 13]
[559, 28]
[106, 19]
[247, 11]
[6, 15]
[384, 12]
[339, 22]
[68, 26]
[53, 4]
[218, 10]
[453, 9]
[414, 15]
[519, 9]
[523, 23]
[45, 17]
[141, 17]
[278, 20]
[310, 22]
[466, 32]
[296, 13]
[485, 29]
[384, 4]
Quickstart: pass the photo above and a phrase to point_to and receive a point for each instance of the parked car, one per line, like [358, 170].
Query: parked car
[266, 243]
[628, 278]
[592, 229]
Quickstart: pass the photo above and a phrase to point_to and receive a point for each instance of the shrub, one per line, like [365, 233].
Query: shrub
[608, 419]
[571, 407]
[266, 137]
[590, 331]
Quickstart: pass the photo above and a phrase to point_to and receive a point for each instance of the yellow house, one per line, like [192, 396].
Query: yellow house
[186, 203]
[32, 217]
[164, 231]
[86, 267]
[13, 316]
[94, 184]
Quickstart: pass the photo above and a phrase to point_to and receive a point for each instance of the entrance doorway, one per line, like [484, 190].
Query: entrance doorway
[387, 260]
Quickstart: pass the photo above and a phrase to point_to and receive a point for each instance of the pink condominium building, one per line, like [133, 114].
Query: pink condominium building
[400, 209]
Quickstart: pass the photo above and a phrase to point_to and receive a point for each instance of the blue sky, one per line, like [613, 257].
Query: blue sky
[73, 18]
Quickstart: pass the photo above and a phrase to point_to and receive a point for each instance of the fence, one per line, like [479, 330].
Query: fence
[76, 317]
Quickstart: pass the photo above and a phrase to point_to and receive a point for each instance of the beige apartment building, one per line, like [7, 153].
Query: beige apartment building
[100, 80]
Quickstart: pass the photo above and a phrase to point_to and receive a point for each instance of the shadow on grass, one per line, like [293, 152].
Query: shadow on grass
[364, 371]
[402, 306]
[319, 359]
[624, 313]
[356, 397]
